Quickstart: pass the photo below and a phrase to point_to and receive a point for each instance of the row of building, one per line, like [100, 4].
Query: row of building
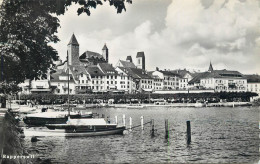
[91, 72]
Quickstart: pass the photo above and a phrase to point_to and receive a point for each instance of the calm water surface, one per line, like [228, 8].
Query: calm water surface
[219, 135]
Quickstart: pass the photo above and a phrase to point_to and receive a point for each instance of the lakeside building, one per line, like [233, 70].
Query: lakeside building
[253, 84]
[223, 80]
[170, 79]
[185, 77]
[59, 83]
[139, 80]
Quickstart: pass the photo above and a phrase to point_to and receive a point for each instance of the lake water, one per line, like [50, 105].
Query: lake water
[219, 135]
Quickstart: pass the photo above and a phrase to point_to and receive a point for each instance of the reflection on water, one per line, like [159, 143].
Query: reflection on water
[219, 135]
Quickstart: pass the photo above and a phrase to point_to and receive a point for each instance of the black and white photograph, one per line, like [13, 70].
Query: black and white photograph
[129, 81]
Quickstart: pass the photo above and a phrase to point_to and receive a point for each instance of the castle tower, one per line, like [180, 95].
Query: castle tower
[129, 59]
[73, 51]
[210, 67]
[105, 52]
[140, 60]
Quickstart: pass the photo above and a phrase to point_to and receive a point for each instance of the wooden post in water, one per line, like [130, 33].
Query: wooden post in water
[130, 123]
[152, 131]
[188, 132]
[124, 119]
[115, 119]
[142, 122]
[166, 129]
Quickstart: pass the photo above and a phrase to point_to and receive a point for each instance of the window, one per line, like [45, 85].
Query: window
[97, 87]
[115, 82]
[107, 82]
[107, 77]
[111, 77]
[82, 81]
[81, 75]
[111, 82]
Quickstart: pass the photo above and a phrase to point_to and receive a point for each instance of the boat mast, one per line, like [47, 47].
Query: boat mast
[68, 84]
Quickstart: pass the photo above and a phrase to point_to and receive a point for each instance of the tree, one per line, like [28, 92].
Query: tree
[27, 27]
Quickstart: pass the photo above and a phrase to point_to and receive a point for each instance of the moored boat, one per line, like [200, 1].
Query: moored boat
[86, 127]
[135, 106]
[43, 118]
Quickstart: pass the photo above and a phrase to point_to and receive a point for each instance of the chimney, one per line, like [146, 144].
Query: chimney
[157, 69]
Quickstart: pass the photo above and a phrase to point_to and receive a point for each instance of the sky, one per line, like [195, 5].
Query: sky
[174, 34]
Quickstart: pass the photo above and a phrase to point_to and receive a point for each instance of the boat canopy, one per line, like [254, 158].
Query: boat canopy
[90, 122]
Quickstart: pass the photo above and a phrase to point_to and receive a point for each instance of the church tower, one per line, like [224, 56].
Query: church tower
[105, 52]
[73, 51]
[210, 67]
[140, 60]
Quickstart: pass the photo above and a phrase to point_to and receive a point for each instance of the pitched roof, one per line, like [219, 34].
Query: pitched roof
[140, 54]
[198, 76]
[55, 77]
[169, 73]
[140, 73]
[216, 74]
[252, 78]
[227, 73]
[73, 40]
[182, 73]
[127, 64]
[94, 71]
[105, 47]
[77, 70]
[90, 54]
[107, 68]
[129, 72]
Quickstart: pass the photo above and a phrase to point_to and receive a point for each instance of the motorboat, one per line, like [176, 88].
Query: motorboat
[135, 106]
[57, 117]
[86, 127]
[199, 104]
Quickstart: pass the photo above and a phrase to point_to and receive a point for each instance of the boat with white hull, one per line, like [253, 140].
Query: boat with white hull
[86, 127]
[135, 106]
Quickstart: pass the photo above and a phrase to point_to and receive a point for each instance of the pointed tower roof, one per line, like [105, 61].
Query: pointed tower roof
[73, 40]
[105, 47]
[210, 67]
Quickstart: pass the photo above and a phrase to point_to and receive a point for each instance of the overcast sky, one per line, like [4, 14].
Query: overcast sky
[172, 33]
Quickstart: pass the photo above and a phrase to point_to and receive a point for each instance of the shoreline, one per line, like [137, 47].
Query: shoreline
[223, 104]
